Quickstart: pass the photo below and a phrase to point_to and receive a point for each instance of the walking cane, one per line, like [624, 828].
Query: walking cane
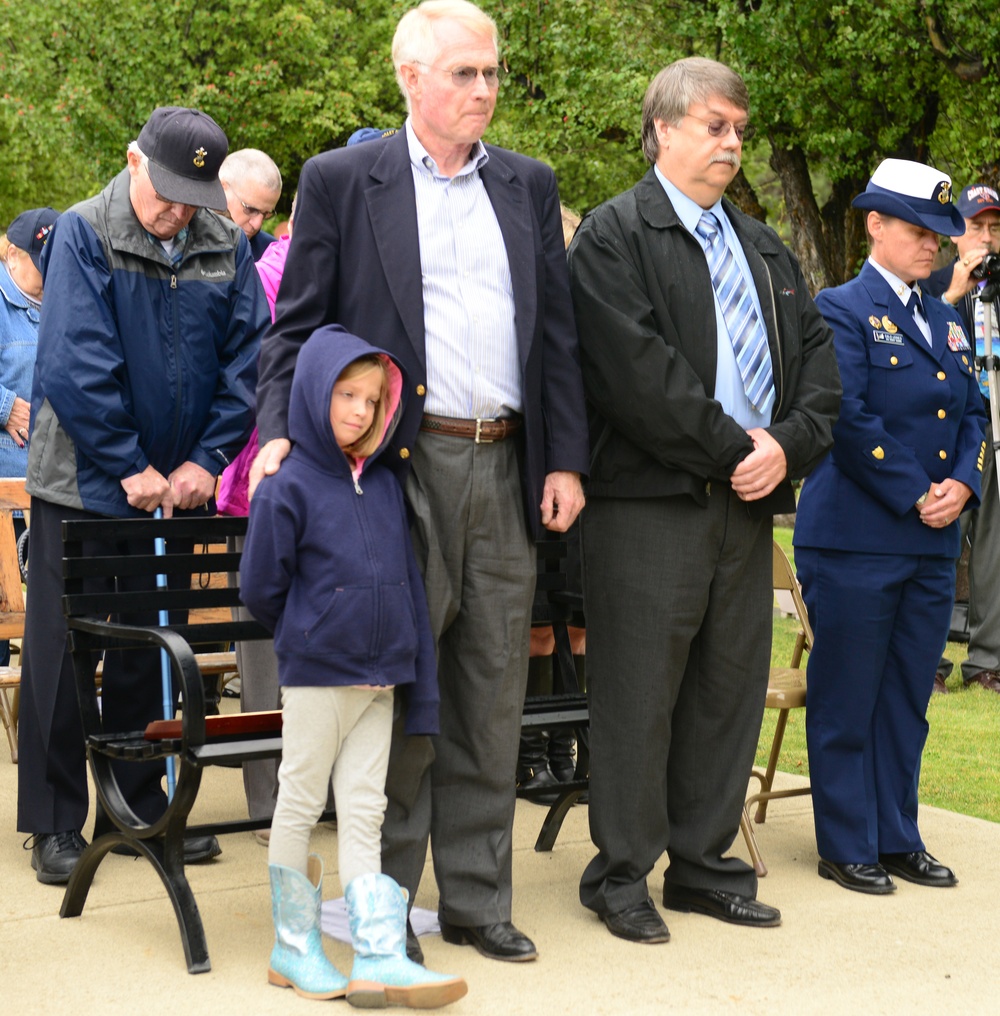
[160, 549]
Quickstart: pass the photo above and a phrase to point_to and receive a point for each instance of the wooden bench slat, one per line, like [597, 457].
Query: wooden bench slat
[219, 726]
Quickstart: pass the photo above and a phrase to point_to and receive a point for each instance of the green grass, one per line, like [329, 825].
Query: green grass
[961, 760]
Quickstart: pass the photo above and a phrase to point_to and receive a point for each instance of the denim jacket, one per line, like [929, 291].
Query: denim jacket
[18, 342]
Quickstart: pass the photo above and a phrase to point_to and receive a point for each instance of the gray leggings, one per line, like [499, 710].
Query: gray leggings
[346, 730]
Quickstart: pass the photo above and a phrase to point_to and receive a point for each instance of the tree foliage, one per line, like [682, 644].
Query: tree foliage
[836, 85]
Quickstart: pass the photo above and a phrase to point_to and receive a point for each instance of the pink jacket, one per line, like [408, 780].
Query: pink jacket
[232, 497]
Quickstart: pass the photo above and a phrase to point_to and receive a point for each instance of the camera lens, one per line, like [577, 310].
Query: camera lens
[988, 268]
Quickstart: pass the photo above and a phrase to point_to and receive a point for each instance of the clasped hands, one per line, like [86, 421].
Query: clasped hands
[762, 470]
[188, 486]
[945, 501]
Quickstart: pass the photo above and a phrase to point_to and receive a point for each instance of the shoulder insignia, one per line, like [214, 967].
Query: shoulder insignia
[877, 453]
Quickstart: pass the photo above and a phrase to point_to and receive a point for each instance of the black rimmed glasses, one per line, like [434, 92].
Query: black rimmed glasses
[720, 128]
[463, 77]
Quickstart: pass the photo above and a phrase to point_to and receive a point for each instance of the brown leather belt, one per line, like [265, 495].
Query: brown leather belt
[480, 430]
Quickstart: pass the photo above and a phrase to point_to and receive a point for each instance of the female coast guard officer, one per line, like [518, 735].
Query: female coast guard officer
[876, 535]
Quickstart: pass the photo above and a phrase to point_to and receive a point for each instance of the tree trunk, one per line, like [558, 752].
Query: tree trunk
[742, 194]
[844, 228]
[807, 235]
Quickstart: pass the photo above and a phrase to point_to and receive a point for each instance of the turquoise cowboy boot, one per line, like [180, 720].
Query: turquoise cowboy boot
[382, 975]
[297, 959]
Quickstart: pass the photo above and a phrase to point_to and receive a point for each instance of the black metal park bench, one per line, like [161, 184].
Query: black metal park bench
[91, 604]
[193, 740]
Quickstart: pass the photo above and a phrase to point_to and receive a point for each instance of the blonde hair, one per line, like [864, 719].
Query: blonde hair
[368, 443]
[415, 41]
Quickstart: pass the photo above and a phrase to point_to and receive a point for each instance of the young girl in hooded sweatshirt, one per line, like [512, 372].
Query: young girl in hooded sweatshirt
[327, 565]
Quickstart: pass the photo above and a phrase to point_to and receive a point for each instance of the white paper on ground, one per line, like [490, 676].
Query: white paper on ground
[334, 920]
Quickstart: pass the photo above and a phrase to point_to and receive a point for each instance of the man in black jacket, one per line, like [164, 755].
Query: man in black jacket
[712, 383]
[979, 204]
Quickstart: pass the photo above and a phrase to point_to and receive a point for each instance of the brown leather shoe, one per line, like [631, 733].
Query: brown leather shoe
[940, 688]
[988, 679]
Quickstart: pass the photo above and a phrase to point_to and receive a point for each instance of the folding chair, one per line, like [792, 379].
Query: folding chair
[786, 690]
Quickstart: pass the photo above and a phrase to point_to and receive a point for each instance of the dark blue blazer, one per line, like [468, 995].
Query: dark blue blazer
[354, 260]
[911, 415]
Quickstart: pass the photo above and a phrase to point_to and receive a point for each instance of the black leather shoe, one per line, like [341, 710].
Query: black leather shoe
[726, 906]
[197, 849]
[639, 923]
[538, 784]
[413, 951]
[918, 866]
[54, 855]
[862, 878]
[500, 941]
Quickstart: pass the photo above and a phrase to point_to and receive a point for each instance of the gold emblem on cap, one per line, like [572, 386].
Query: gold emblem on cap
[888, 325]
[944, 195]
[199, 157]
[874, 321]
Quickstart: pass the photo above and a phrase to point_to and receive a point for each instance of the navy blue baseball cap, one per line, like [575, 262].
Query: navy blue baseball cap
[976, 198]
[30, 230]
[370, 134]
[914, 192]
[185, 148]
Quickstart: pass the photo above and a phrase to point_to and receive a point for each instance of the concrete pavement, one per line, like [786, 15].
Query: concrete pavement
[918, 951]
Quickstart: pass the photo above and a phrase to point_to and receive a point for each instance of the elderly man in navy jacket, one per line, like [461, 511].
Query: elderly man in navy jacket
[877, 533]
[143, 392]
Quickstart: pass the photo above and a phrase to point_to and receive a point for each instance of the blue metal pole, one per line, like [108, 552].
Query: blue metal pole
[160, 549]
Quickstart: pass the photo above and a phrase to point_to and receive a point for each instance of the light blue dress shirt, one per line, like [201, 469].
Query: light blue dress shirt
[903, 290]
[729, 390]
[469, 334]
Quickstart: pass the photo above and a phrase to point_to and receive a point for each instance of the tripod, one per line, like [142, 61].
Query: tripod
[991, 364]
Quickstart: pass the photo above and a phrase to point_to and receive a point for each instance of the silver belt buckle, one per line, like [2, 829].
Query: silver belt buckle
[479, 429]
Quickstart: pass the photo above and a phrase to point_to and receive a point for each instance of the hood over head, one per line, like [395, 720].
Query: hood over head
[321, 361]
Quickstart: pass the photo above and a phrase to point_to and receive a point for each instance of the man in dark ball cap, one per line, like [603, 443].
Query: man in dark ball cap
[143, 391]
[960, 283]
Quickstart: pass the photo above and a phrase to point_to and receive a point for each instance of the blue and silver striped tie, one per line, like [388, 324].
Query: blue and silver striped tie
[746, 331]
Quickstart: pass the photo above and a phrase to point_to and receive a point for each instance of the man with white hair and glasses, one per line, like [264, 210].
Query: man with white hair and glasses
[448, 253]
[252, 182]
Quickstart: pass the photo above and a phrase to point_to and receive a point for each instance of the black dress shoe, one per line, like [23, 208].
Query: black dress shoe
[197, 849]
[413, 951]
[538, 784]
[918, 866]
[862, 878]
[726, 906]
[639, 923]
[54, 855]
[500, 941]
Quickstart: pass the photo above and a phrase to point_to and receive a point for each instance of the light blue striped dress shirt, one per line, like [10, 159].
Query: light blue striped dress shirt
[729, 388]
[470, 340]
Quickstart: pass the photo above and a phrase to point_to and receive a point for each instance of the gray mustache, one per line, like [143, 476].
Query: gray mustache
[731, 157]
